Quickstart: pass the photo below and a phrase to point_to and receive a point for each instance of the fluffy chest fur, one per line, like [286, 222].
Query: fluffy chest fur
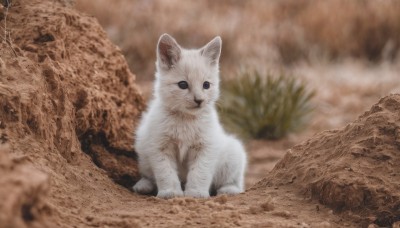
[185, 136]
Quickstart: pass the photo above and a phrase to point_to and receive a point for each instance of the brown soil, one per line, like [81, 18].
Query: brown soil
[68, 109]
[353, 170]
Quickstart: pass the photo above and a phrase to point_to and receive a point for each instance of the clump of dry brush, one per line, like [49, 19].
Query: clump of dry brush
[255, 105]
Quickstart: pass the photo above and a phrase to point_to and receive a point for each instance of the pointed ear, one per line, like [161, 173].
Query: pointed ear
[212, 50]
[168, 52]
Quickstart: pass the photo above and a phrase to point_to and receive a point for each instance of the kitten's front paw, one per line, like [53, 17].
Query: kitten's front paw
[196, 193]
[229, 190]
[144, 186]
[167, 194]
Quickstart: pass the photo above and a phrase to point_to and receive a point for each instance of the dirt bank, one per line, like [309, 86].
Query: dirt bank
[354, 170]
[68, 102]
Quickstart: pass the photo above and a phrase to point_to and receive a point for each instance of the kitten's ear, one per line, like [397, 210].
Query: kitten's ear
[212, 50]
[168, 52]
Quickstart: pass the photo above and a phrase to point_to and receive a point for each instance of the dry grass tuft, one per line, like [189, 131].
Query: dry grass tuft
[6, 36]
[262, 106]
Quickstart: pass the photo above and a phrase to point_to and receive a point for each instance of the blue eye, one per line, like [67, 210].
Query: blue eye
[183, 85]
[206, 85]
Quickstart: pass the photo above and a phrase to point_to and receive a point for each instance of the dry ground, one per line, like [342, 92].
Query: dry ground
[69, 104]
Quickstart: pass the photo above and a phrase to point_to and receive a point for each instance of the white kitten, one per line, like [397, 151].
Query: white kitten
[180, 141]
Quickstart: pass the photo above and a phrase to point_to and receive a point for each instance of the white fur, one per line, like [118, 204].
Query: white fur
[181, 145]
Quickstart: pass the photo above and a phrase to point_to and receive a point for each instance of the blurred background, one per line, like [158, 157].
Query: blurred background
[340, 56]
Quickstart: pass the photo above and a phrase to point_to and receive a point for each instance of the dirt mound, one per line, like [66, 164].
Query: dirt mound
[64, 89]
[354, 170]
[69, 84]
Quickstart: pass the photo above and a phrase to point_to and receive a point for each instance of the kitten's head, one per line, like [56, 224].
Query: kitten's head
[187, 80]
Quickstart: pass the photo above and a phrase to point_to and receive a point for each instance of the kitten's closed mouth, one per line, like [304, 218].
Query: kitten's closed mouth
[195, 107]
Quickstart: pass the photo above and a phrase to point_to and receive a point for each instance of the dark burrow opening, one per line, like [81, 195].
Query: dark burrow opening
[120, 164]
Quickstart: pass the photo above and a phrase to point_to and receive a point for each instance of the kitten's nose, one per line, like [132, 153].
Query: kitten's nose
[198, 101]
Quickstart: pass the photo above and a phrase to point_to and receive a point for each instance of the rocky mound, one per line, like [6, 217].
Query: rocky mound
[354, 170]
[64, 89]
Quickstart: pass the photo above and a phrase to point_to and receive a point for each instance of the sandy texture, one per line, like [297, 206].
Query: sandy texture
[70, 86]
[68, 109]
[22, 193]
[354, 169]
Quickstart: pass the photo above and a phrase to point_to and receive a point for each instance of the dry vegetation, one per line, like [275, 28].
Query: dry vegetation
[259, 106]
[255, 33]
[5, 34]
